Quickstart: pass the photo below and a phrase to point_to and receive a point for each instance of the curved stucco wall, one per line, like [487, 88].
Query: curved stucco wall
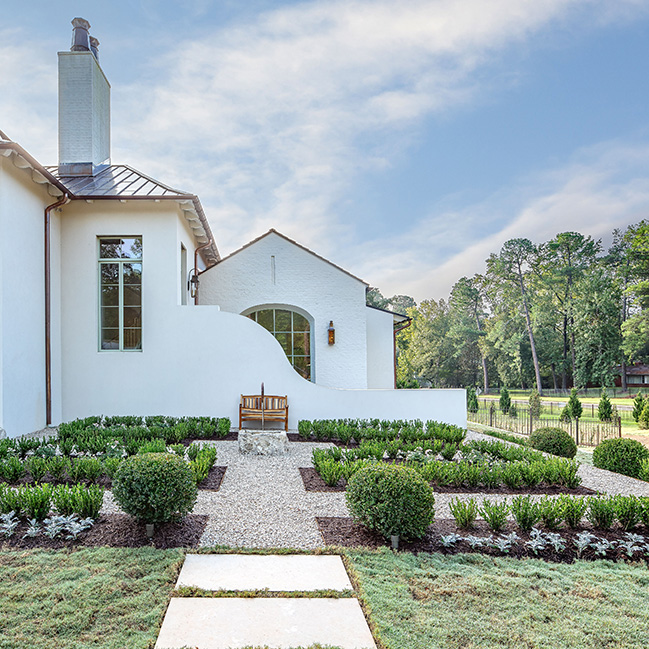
[274, 271]
[226, 355]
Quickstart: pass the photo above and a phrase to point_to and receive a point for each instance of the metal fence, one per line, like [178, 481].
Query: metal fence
[553, 409]
[585, 433]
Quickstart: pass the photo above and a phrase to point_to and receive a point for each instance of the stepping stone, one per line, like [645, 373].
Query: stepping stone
[228, 622]
[293, 572]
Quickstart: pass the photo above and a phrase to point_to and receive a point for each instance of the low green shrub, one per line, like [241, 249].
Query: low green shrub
[526, 512]
[644, 470]
[391, 500]
[555, 441]
[551, 511]
[601, 512]
[12, 470]
[204, 461]
[644, 510]
[193, 450]
[87, 501]
[57, 467]
[223, 426]
[511, 475]
[178, 449]
[574, 509]
[153, 446]
[111, 465]
[155, 487]
[464, 511]
[627, 511]
[37, 467]
[9, 501]
[495, 513]
[620, 455]
[330, 471]
[35, 501]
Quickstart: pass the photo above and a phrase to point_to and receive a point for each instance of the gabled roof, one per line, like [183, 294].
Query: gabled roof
[638, 370]
[295, 243]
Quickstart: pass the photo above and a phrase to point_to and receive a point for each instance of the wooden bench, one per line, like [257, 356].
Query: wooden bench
[264, 407]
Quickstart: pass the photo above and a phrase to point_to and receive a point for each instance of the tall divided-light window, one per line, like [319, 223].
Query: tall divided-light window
[293, 333]
[120, 286]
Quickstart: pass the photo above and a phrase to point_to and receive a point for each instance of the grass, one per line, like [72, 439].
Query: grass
[472, 601]
[111, 598]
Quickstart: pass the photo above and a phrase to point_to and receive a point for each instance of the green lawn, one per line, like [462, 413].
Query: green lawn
[113, 598]
[470, 601]
[116, 598]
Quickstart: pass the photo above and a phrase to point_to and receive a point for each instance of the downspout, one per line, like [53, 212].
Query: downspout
[48, 311]
[197, 272]
[394, 335]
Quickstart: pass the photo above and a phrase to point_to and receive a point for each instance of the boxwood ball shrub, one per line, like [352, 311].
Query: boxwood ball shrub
[155, 487]
[553, 440]
[620, 455]
[392, 500]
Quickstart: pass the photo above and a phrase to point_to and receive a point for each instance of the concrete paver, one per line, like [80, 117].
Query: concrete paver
[257, 572]
[228, 622]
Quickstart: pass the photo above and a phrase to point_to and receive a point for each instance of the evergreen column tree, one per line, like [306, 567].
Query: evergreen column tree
[605, 409]
[574, 405]
[505, 400]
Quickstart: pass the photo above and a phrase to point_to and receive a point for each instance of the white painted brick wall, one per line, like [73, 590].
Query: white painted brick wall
[84, 109]
[301, 280]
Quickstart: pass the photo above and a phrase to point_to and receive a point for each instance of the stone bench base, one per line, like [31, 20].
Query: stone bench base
[263, 442]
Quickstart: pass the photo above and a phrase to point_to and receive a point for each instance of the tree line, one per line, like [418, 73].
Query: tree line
[558, 314]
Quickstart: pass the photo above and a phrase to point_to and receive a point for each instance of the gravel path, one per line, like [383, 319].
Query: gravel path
[262, 501]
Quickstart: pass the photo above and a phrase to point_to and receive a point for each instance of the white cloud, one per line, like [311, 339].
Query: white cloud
[604, 188]
[271, 121]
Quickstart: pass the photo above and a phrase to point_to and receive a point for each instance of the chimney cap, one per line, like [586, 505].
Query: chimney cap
[80, 35]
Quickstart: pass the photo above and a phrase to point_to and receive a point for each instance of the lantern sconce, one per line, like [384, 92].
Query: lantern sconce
[193, 284]
[331, 333]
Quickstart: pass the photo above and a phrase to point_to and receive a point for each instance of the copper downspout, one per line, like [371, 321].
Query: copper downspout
[395, 332]
[48, 342]
[196, 271]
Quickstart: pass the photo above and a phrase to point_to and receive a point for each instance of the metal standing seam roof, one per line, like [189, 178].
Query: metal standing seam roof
[117, 181]
[125, 183]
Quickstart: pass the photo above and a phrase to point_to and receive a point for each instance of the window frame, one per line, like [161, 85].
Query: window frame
[253, 311]
[120, 261]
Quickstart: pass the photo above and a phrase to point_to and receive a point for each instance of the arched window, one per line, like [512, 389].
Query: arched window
[293, 333]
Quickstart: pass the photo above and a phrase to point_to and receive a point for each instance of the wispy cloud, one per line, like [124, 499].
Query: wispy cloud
[272, 121]
[603, 188]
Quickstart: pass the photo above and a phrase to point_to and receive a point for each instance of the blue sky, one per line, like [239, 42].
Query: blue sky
[405, 141]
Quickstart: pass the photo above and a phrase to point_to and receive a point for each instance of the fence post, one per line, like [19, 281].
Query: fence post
[619, 426]
[577, 432]
[491, 417]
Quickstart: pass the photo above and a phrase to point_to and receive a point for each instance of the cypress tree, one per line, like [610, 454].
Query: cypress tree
[605, 409]
[574, 405]
[638, 406]
[505, 400]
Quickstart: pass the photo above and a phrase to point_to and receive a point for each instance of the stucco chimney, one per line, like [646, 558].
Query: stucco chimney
[84, 106]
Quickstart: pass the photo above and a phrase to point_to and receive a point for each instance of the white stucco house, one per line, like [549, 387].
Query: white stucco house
[115, 298]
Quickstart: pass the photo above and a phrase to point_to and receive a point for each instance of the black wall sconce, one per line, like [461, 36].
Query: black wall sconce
[331, 333]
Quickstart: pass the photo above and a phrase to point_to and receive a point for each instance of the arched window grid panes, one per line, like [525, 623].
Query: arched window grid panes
[293, 332]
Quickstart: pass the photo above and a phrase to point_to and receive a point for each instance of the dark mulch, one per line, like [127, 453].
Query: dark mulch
[345, 532]
[295, 437]
[313, 482]
[214, 479]
[120, 531]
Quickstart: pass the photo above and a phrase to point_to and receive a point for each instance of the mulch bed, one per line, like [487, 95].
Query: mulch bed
[295, 437]
[344, 532]
[313, 482]
[119, 531]
[213, 480]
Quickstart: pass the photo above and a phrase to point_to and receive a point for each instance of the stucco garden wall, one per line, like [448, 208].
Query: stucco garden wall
[222, 356]
[274, 272]
[22, 301]
[380, 349]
